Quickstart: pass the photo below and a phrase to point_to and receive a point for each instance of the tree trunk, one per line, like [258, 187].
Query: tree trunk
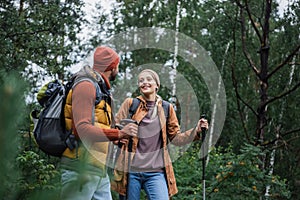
[263, 76]
[273, 153]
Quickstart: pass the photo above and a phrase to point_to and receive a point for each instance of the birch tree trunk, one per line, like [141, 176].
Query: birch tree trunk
[173, 72]
[212, 122]
[273, 153]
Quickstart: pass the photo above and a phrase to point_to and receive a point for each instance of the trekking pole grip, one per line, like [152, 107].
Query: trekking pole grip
[203, 133]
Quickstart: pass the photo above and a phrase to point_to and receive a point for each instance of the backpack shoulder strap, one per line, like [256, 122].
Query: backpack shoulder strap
[80, 79]
[166, 107]
[99, 94]
[75, 80]
[134, 105]
[136, 102]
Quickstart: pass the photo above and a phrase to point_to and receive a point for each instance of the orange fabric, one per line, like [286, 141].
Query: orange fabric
[113, 65]
[83, 101]
[105, 59]
[170, 132]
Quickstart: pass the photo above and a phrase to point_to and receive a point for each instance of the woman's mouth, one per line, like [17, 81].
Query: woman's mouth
[144, 87]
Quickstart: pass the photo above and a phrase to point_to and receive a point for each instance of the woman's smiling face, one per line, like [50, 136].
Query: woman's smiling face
[146, 83]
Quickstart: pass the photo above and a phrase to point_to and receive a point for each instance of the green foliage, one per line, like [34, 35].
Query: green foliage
[41, 33]
[228, 175]
[12, 106]
[239, 176]
[38, 175]
[188, 175]
[24, 174]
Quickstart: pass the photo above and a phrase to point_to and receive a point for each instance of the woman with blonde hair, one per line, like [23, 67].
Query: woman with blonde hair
[150, 167]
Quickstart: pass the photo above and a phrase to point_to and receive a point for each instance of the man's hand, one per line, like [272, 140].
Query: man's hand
[129, 130]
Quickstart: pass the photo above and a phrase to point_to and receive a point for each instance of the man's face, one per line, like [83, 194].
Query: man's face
[114, 73]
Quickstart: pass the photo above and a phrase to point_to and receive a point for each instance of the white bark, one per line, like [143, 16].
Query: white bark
[175, 62]
[211, 129]
[273, 153]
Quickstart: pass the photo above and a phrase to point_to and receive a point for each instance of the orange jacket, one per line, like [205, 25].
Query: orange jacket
[170, 134]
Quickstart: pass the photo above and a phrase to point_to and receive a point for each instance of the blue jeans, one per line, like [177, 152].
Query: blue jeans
[84, 186]
[154, 184]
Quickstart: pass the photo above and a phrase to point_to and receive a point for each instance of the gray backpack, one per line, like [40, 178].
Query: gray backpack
[50, 131]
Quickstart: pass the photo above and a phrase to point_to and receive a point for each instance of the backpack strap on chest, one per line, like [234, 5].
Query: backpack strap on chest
[134, 105]
[166, 107]
[136, 102]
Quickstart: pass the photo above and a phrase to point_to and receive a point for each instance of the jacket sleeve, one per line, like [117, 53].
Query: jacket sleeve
[123, 110]
[83, 101]
[173, 131]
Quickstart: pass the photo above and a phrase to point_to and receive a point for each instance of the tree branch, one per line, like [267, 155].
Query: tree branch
[235, 85]
[281, 136]
[29, 33]
[287, 141]
[246, 53]
[238, 102]
[283, 94]
[294, 52]
[252, 21]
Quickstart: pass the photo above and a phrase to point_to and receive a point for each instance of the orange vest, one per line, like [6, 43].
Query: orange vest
[97, 152]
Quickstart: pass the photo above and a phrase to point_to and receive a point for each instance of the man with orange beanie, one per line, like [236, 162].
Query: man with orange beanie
[88, 114]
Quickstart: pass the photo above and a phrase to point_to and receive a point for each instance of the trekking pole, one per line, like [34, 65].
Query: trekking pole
[129, 162]
[130, 141]
[203, 134]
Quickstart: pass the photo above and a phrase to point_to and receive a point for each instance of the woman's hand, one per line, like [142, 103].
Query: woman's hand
[202, 123]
